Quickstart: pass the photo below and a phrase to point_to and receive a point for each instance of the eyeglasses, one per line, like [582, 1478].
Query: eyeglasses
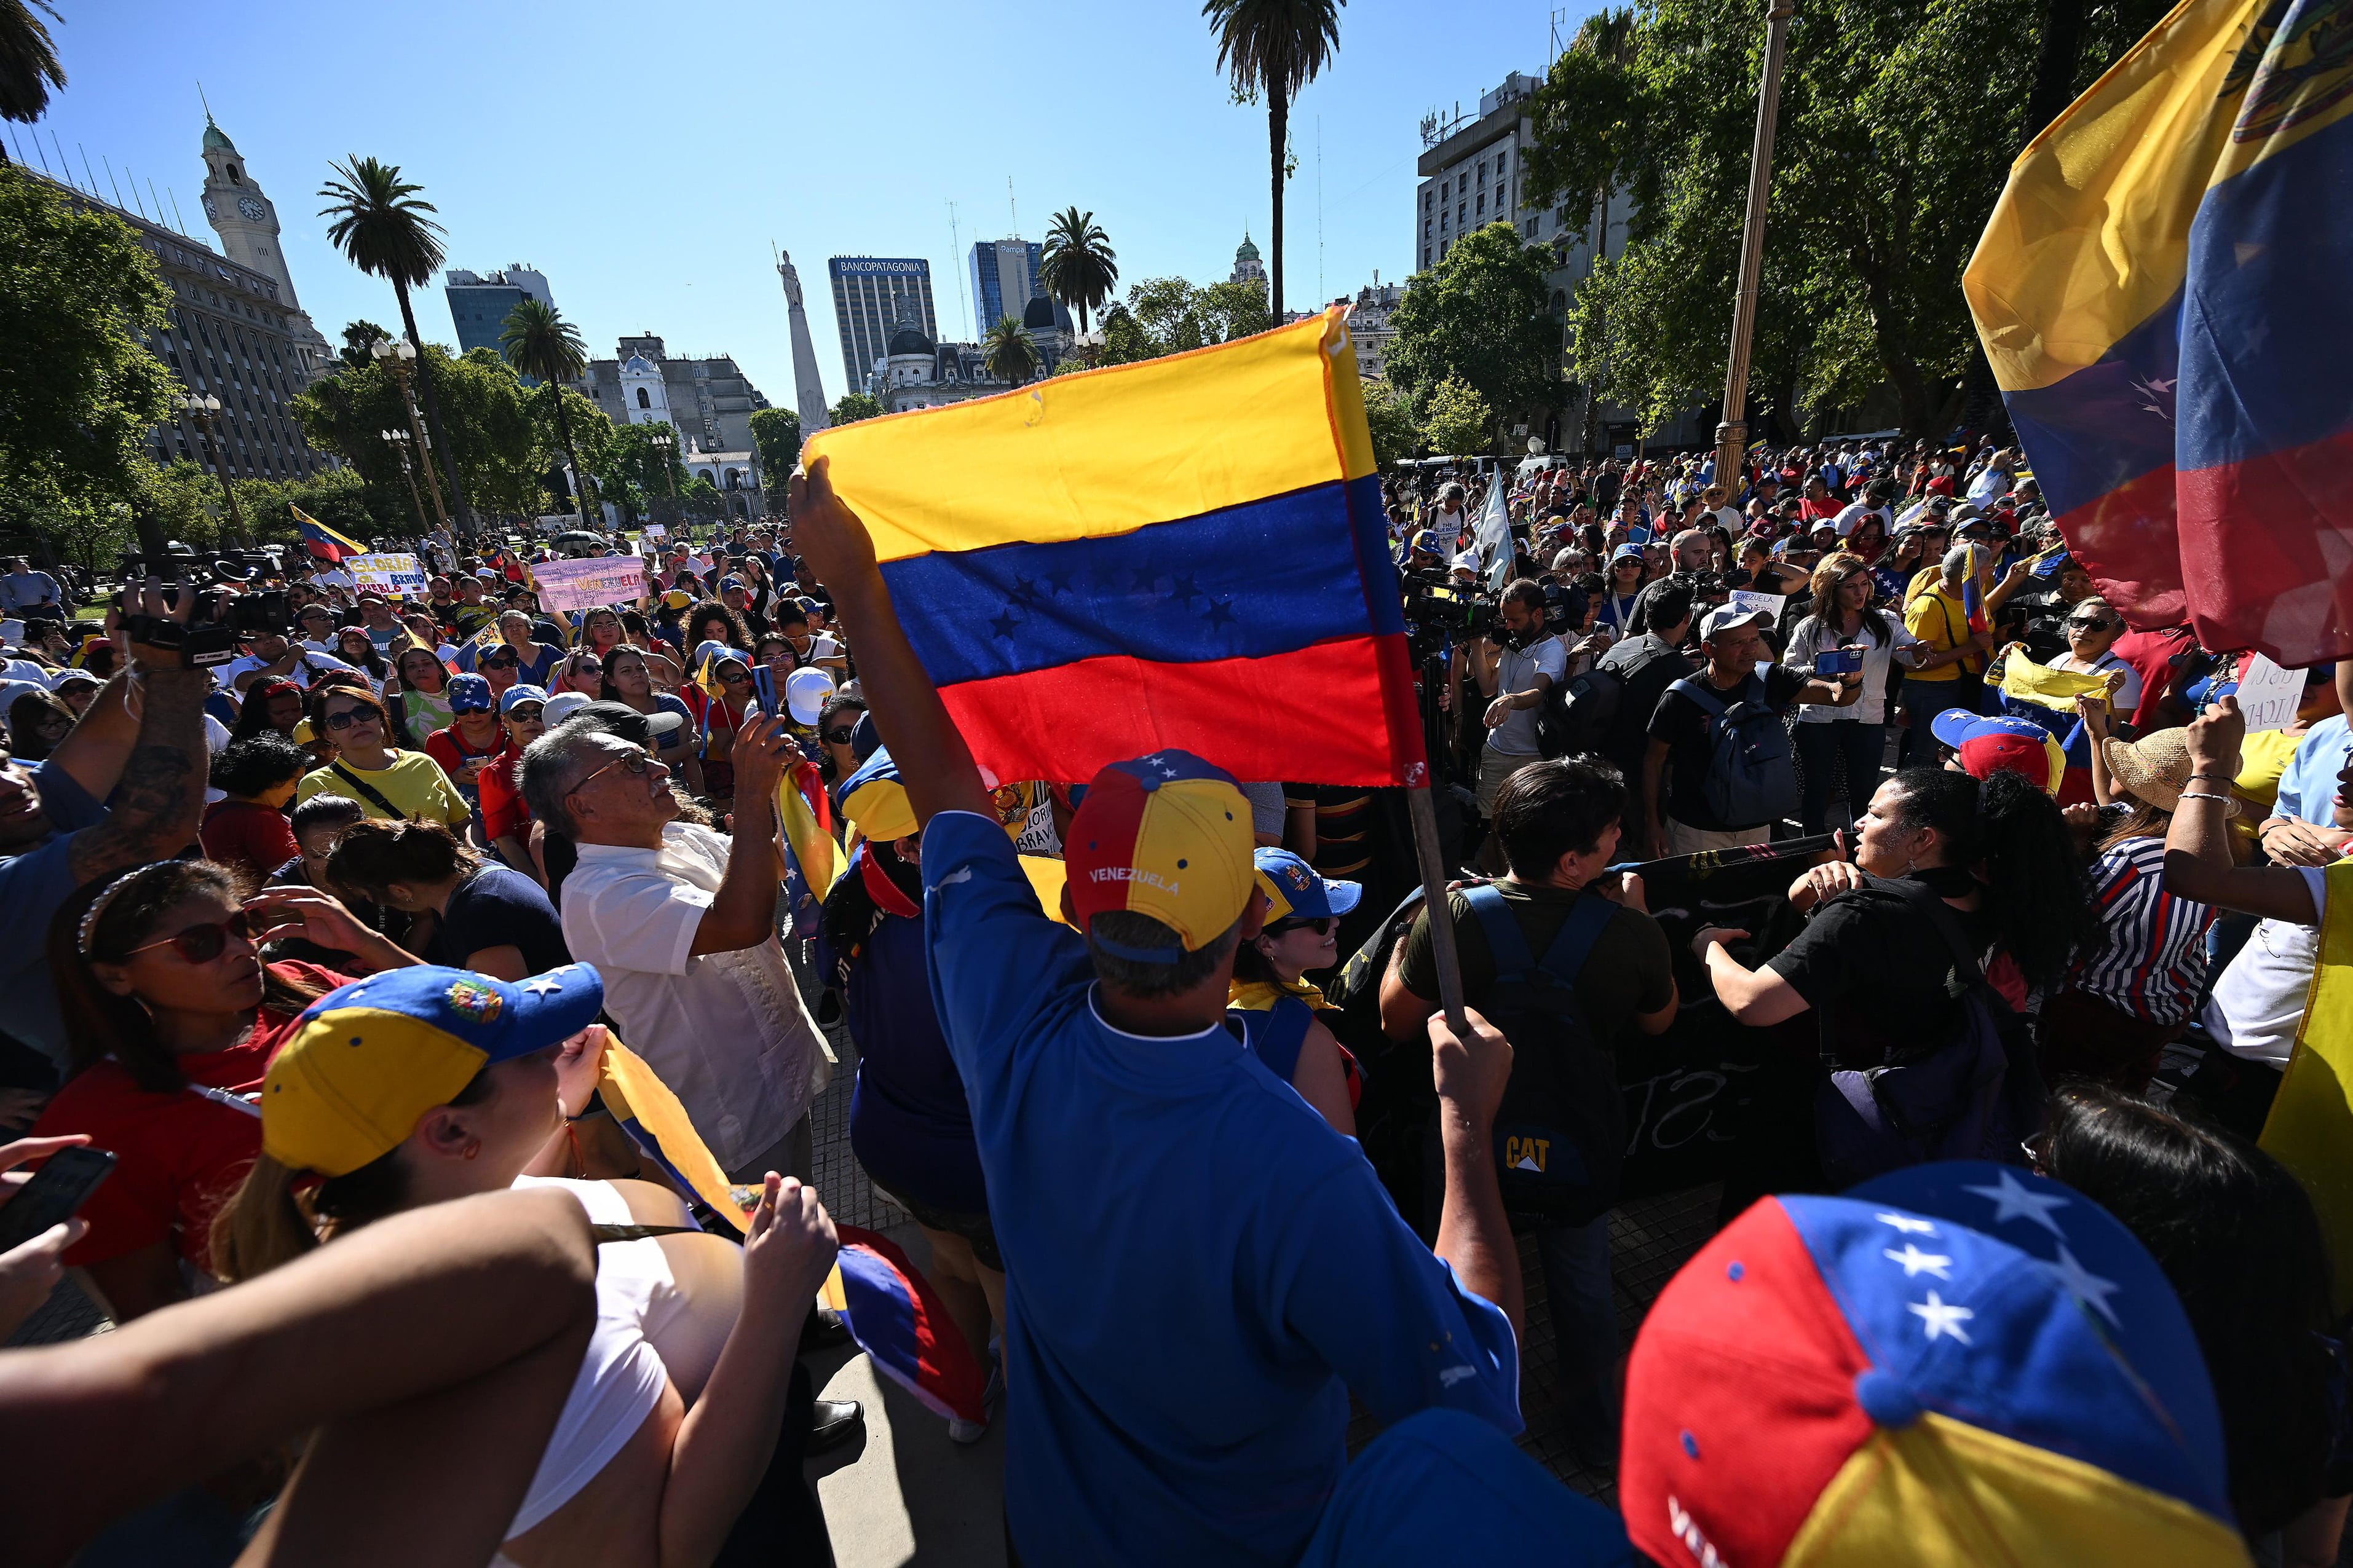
[1321, 926]
[524, 712]
[736, 677]
[2089, 623]
[635, 764]
[508, 662]
[201, 943]
[840, 737]
[349, 717]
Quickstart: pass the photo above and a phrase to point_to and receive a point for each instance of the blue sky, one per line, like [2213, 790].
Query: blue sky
[645, 156]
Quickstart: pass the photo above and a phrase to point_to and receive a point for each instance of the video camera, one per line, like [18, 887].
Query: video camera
[1436, 605]
[219, 616]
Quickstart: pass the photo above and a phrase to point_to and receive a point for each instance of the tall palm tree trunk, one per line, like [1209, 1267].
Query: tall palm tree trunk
[1277, 133]
[564, 433]
[433, 415]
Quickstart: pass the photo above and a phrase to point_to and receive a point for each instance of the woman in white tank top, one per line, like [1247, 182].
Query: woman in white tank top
[422, 1084]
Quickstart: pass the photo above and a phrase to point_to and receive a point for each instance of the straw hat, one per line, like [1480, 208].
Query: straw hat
[2155, 768]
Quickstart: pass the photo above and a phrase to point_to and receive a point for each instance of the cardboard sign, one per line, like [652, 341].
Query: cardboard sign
[1749, 599]
[656, 531]
[2268, 695]
[587, 584]
[388, 574]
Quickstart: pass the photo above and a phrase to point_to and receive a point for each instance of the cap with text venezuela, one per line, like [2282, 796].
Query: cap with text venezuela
[1167, 836]
[1955, 1364]
[369, 1058]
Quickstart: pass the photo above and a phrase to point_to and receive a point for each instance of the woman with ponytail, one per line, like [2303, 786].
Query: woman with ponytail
[1997, 854]
[173, 1019]
[484, 917]
[438, 1084]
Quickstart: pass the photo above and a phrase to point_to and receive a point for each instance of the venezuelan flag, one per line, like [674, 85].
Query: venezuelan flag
[806, 817]
[2165, 291]
[2310, 1127]
[1188, 552]
[323, 542]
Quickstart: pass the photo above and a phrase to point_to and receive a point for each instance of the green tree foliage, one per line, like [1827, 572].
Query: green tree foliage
[854, 406]
[1394, 435]
[630, 467]
[1272, 49]
[359, 339]
[1077, 264]
[28, 62]
[1482, 317]
[78, 390]
[336, 497]
[1459, 422]
[503, 456]
[1168, 315]
[1898, 119]
[777, 432]
[1008, 353]
[540, 343]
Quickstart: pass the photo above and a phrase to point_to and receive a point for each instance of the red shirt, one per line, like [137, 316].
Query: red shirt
[2151, 655]
[449, 749]
[257, 838]
[180, 1154]
[504, 809]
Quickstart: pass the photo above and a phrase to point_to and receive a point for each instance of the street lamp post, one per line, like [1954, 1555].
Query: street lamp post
[201, 410]
[1732, 434]
[396, 355]
[667, 444]
[398, 441]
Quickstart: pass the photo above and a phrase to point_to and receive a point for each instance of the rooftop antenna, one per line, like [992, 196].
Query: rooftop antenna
[111, 180]
[1559, 25]
[39, 153]
[1011, 206]
[202, 99]
[156, 199]
[134, 178]
[1319, 207]
[956, 255]
[177, 221]
[86, 168]
[66, 168]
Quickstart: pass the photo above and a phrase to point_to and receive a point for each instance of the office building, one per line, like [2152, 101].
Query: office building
[1005, 279]
[871, 295]
[916, 372]
[710, 402]
[479, 303]
[1369, 324]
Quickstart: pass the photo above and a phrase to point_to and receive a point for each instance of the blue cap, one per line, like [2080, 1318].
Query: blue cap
[471, 694]
[1295, 890]
[1626, 553]
[521, 693]
[1427, 543]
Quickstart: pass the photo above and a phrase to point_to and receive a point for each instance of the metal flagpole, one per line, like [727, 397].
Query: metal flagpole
[1732, 434]
[1434, 898]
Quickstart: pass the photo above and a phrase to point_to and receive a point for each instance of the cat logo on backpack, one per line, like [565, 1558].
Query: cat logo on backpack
[1528, 1154]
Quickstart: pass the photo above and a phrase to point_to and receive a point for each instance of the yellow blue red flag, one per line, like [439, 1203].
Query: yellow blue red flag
[323, 542]
[1187, 553]
[2165, 291]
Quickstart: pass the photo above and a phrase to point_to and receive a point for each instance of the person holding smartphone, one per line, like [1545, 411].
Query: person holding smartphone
[1843, 633]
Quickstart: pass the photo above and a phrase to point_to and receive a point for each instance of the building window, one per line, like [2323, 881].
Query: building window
[644, 400]
[1425, 200]
[1482, 204]
[1461, 212]
[1502, 161]
[1482, 170]
[1425, 256]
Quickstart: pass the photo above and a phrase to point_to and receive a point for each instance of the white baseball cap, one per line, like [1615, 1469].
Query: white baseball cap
[806, 690]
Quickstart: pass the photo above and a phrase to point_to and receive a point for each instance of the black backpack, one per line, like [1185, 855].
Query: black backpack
[1751, 777]
[1560, 1132]
[1576, 717]
[1977, 1096]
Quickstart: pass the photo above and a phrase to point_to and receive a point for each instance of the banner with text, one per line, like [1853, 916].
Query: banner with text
[388, 574]
[586, 585]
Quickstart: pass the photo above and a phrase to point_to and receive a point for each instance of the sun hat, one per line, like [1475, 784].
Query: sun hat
[1295, 890]
[562, 706]
[1167, 836]
[2155, 768]
[1956, 1362]
[367, 1059]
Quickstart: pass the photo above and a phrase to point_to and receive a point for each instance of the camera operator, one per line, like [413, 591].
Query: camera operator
[1518, 661]
[272, 654]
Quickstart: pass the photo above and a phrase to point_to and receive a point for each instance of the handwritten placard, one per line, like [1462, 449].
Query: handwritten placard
[586, 585]
[388, 574]
[2268, 695]
[1750, 600]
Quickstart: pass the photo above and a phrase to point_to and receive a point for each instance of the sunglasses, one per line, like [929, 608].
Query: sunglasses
[509, 662]
[736, 677]
[349, 717]
[1322, 925]
[2089, 624]
[839, 737]
[201, 943]
[524, 712]
[635, 764]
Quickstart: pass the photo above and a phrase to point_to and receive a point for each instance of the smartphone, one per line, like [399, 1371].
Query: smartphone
[763, 687]
[55, 1193]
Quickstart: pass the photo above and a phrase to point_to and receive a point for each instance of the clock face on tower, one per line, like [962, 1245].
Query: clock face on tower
[209, 213]
[253, 210]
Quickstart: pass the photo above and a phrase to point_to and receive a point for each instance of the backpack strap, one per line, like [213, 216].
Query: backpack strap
[1966, 966]
[1714, 706]
[1505, 945]
[1588, 918]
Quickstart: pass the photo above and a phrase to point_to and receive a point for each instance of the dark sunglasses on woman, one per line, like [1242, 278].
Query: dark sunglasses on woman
[349, 717]
[201, 943]
[1322, 925]
[840, 737]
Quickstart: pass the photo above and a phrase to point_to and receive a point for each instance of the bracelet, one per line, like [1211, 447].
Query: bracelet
[2225, 799]
[2212, 778]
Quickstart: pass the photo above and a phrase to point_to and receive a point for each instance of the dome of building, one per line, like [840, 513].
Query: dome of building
[1247, 252]
[216, 139]
[1037, 314]
[637, 364]
[909, 339]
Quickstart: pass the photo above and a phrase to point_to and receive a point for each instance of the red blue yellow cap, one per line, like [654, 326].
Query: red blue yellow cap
[1295, 890]
[1989, 745]
[368, 1059]
[1167, 836]
[1955, 1364]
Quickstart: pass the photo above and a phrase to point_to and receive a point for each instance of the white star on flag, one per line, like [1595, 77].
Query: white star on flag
[1915, 1261]
[1940, 1318]
[1907, 1224]
[2013, 1199]
[2083, 1285]
[542, 985]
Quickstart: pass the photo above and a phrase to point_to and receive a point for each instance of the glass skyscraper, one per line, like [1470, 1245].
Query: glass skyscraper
[871, 295]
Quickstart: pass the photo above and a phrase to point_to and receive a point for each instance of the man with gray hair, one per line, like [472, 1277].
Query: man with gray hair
[681, 922]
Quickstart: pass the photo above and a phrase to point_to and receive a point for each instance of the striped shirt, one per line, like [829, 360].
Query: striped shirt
[2150, 961]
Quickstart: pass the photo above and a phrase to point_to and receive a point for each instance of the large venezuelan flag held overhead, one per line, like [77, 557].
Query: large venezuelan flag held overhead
[1188, 551]
[2165, 293]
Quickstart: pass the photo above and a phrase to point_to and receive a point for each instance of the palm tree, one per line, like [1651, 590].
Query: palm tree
[538, 341]
[1275, 48]
[28, 62]
[1078, 267]
[381, 225]
[1010, 355]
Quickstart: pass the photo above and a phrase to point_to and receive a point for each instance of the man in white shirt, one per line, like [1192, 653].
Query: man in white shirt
[681, 923]
[1525, 664]
[268, 654]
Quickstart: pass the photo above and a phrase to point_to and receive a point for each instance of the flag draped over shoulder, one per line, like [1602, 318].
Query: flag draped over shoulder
[2165, 292]
[323, 542]
[2310, 1127]
[1188, 552]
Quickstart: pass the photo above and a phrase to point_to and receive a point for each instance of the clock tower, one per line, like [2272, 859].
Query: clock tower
[248, 226]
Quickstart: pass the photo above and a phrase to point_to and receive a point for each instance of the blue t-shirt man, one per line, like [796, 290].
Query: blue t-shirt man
[1199, 1269]
[2307, 790]
[32, 885]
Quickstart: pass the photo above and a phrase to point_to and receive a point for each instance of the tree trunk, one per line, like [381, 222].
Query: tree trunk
[1277, 133]
[2061, 49]
[432, 401]
[564, 433]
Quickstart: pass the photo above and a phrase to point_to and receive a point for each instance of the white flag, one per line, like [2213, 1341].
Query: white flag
[1493, 534]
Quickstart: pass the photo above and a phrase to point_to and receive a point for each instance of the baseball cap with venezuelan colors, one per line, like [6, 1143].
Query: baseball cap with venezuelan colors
[368, 1059]
[1988, 745]
[1295, 890]
[875, 801]
[1167, 836]
[1955, 1363]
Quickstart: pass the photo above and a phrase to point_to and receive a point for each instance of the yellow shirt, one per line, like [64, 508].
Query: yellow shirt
[414, 785]
[1936, 616]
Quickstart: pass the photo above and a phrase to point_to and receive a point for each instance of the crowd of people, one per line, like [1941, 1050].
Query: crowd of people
[330, 905]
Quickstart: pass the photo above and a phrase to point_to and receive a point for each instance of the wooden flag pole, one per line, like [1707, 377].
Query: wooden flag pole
[1434, 905]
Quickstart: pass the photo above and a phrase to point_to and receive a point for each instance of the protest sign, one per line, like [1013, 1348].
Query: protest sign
[388, 574]
[2268, 695]
[655, 530]
[1749, 599]
[586, 585]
